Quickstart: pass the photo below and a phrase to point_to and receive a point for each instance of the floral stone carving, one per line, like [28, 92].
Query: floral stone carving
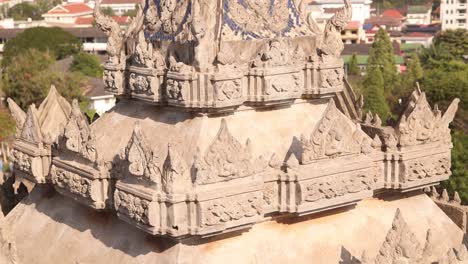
[232, 209]
[226, 159]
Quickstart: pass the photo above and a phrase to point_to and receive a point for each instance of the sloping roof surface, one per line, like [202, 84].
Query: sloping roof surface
[70, 9]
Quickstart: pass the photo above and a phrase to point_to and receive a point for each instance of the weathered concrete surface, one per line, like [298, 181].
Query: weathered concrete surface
[50, 229]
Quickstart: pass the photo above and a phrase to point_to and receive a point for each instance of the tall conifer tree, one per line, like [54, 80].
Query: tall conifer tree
[375, 94]
[381, 55]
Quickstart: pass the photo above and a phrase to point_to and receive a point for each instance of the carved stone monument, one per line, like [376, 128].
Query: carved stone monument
[231, 114]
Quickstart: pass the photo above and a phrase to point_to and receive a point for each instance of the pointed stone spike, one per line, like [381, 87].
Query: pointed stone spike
[430, 243]
[18, 114]
[434, 193]
[445, 197]
[377, 122]
[365, 258]
[427, 190]
[292, 162]
[456, 198]
[376, 142]
[275, 162]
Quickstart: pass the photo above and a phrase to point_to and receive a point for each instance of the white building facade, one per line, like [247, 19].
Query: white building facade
[454, 14]
[361, 8]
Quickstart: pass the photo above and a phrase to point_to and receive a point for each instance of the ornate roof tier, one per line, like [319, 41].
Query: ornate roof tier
[263, 131]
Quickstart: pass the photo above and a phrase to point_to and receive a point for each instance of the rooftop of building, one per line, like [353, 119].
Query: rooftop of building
[122, 20]
[392, 13]
[364, 48]
[353, 25]
[120, 2]
[418, 9]
[68, 9]
[417, 35]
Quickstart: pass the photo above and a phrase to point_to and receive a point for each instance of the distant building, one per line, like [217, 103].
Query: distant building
[454, 14]
[67, 13]
[417, 38]
[324, 9]
[393, 14]
[372, 29]
[120, 7]
[362, 54]
[352, 33]
[88, 21]
[419, 15]
[100, 100]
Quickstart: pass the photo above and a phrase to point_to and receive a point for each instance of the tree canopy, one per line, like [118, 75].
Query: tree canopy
[381, 55]
[87, 64]
[454, 42]
[56, 41]
[28, 77]
[374, 93]
[25, 10]
[353, 67]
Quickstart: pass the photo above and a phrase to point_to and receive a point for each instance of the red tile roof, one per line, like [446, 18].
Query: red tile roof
[122, 20]
[353, 25]
[417, 35]
[70, 9]
[393, 13]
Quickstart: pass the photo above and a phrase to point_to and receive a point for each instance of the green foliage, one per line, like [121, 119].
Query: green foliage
[381, 56]
[374, 93]
[459, 179]
[353, 67]
[7, 125]
[45, 5]
[87, 64]
[132, 13]
[108, 11]
[56, 41]
[454, 42]
[28, 77]
[25, 10]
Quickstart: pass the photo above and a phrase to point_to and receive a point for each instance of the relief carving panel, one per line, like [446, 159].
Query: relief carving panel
[232, 208]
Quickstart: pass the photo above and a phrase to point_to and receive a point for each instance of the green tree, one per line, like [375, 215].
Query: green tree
[413, 74]
[353, 67]
[108, 11]
[28, 77]
[454, 41]
[56, 41]
[459, 179]
[133, 12]
[374, 93]
[25, 10]
[87, 64]
[7, 125]
[381, 55]
[45, 5]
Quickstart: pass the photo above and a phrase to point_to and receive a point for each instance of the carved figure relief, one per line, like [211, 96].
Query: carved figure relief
[330, 187]
[21, 161]
[78, 136]
[132, 206]
[142, 161]
[420, 169]
[232, 208]
[140, 84]
[334, 136]
[117, 37]
[226, 159]
[332, 45]
[114, 80]
[420, 124]
[71, 182]
[174, 89]
[168, 20]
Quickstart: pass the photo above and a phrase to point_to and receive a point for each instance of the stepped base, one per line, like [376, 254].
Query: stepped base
[46, 228]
